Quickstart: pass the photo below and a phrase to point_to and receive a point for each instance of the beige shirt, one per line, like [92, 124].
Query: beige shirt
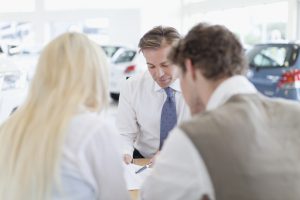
[251, 147]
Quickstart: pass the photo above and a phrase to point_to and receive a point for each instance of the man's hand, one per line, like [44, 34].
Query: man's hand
[153, 159]
[127, 158]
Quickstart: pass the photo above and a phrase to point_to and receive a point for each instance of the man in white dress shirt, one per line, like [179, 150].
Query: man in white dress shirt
[243, 146]
[151, 104]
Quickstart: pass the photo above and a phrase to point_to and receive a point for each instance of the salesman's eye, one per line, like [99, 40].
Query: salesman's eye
[151, 66]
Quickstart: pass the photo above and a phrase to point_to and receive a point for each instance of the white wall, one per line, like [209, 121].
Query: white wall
[161, 12]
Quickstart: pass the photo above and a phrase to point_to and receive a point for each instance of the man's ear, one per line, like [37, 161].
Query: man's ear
[190, 69]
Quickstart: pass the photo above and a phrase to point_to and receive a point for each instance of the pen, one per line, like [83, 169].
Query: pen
[143, 168]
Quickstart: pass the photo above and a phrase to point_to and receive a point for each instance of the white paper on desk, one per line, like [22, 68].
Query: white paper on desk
[133, 180]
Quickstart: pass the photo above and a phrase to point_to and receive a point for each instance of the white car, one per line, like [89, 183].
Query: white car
[13, 85]
[124, 63]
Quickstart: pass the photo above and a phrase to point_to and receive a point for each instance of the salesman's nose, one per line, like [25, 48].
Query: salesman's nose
[160, 72]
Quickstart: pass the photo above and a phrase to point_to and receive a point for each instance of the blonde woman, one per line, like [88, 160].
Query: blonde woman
[55, 146]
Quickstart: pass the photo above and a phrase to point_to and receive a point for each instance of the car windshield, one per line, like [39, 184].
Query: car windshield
[125, 56]
[110, 50]
[273, 55]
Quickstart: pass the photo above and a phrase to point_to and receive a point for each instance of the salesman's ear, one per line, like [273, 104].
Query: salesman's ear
[190, 69]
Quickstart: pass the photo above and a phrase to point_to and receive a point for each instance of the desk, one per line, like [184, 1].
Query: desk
[134, 194]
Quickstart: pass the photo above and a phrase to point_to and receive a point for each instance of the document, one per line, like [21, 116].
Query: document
[133, 180]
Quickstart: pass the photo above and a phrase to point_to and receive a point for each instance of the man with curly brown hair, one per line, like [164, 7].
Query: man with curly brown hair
[244, 146]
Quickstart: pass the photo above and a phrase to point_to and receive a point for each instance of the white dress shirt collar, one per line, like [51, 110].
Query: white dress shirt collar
[234, 85]
[175, 86]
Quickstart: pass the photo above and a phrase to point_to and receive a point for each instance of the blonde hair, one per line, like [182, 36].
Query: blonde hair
[71, 73]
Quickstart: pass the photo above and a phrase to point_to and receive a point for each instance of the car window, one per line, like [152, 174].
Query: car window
[110, 50]
[125, 56]
[263, 56]
[272, 56]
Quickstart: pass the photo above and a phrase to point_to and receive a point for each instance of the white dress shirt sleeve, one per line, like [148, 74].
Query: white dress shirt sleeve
[179, 172]
[103, 164]
[126, 118]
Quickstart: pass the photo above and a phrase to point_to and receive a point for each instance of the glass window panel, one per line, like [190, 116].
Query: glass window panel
[95, 28]
[14, 33]
[259, 23]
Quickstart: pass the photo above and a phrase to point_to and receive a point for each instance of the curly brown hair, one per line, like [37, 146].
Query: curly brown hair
[213, 49]
[159, 36]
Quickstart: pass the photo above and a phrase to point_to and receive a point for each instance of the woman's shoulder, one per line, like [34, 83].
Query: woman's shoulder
[92, 119]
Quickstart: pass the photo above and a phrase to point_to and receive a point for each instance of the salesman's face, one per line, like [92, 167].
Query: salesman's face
[161, 70]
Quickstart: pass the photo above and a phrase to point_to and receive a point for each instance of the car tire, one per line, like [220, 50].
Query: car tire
[115, 96]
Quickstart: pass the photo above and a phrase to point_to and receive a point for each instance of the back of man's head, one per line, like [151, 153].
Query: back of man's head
[158, 37]
[213, 49]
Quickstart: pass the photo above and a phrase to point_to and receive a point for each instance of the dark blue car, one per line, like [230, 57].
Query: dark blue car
[275, 69]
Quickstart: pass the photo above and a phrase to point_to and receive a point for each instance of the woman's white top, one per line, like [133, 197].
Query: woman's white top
[91, 166]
